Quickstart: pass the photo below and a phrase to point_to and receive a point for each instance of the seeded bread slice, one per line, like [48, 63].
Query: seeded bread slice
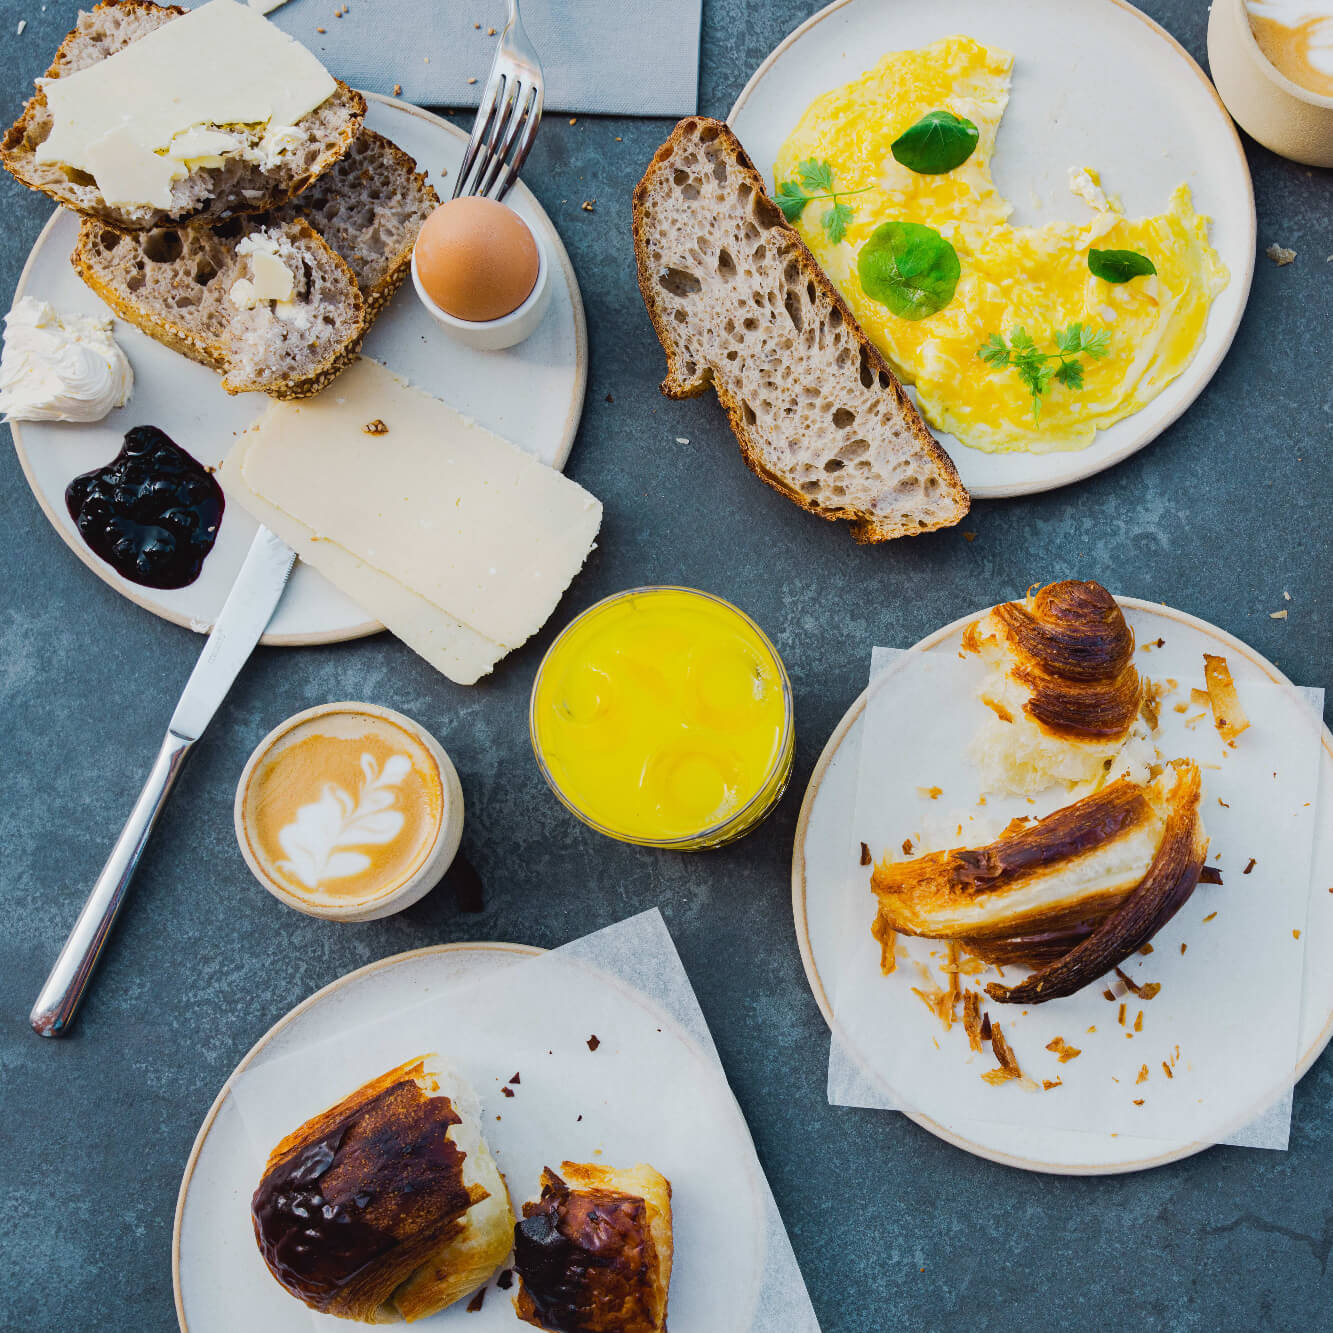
[208, 192]
[738, 301]
[175, 285]
[369, 206]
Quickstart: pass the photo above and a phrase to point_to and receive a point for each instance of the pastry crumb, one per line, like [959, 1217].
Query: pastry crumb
[1280, 255]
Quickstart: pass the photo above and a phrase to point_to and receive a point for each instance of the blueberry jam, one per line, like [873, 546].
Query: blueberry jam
[152, 513]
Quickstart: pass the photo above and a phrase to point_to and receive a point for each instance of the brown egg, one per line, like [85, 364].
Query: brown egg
[476, 259]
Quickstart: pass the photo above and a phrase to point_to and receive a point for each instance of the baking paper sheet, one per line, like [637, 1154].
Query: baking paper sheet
[1228, 1014]
[652, 1091]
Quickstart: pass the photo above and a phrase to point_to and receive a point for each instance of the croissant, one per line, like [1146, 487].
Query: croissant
[593, 1254]
[1072, 895]
[1062, 687]
[388, 1205]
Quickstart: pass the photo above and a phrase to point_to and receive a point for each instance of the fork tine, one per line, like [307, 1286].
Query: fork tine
[532, 114]
[481, 129]
[502, 144]
[493, 157]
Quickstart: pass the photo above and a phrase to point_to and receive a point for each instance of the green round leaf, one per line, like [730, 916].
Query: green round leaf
[909, 268]
[1119, 265]
[937, 143]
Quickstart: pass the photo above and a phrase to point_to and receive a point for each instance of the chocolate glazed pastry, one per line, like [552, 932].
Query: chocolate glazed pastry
[373, 1211]
[152, 513]
[1072, 895]
[593, 1254]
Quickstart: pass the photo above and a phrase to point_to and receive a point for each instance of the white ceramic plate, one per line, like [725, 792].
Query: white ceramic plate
[824, 870]
[221, 1283]
[1095, 83]
[531, 394]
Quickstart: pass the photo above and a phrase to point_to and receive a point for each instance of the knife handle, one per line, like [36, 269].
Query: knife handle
[54, 1011]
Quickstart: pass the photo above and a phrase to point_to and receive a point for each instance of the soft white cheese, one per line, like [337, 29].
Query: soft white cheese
[457, 540]
[223, 64]
[60, 367]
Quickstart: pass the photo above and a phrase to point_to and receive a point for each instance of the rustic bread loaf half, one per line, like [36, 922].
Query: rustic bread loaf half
[369, 206]
[739, 302]
[176, 285]
[237, 186]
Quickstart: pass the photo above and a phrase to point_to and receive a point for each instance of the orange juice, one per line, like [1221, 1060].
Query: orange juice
[663, 716]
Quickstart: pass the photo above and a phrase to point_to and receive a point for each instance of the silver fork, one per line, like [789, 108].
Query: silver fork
[507, 119]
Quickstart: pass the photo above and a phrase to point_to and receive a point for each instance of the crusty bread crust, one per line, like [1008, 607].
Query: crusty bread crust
[943, 500]
[208, 193]
[110, 278]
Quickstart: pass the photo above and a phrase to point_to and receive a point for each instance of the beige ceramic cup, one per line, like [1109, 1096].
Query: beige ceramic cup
[434, 854]
[1292, 121]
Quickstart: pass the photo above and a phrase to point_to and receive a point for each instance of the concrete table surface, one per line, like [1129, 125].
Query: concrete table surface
[893, 1228]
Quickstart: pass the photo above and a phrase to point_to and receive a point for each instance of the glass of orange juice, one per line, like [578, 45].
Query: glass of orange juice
[663, 717]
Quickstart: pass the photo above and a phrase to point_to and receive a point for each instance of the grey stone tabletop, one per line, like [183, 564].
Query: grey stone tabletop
[892, 1227]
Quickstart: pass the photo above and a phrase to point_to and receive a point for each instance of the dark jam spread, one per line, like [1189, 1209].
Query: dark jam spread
[583, 1257]
[383, 1174]
[152, 513]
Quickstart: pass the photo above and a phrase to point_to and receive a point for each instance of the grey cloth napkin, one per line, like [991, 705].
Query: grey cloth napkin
[614, 57]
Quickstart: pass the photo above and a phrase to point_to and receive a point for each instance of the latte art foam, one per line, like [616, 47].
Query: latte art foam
[344, 808]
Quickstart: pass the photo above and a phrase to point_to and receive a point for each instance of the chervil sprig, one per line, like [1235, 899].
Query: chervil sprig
[816, 182]
[1036, 368]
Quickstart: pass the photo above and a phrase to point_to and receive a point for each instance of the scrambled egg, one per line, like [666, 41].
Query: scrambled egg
[1036, 278]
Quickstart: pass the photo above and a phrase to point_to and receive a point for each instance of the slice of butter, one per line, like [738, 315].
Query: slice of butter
[270, 280]
[457, 540]
[222, 64]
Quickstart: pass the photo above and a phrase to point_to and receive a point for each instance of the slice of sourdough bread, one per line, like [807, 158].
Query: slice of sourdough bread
[738, 301]
[237, 186]
[369, 206]
[175, 284]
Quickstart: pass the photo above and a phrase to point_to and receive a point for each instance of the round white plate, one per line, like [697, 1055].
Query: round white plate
[824, 851]
[531, 394]
[1095, 83]
[220, 1281]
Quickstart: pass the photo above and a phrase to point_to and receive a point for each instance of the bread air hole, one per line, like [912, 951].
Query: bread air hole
[162, 247]
[109, 239]
[843, 417]
[680, 282]
[867, 375]
[726, 265]
[834, 465]
[748, 413]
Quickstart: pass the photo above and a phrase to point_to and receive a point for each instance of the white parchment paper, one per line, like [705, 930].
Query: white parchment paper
[1227, 1017]
[652, 1091]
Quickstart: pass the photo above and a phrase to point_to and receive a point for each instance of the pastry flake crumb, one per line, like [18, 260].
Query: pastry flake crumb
[1249, 866]
[1049, 1083]
[1209, 917]
[972, 1019]
[376, 427]
[506, 1278]
[1280, 255]
[1063, 1050]
[474, 1305]
[1228, 716]
[594, 1042]
[397, 89]
[1295, 934]
[516, 1078]
[1278, 615]
[1138, 1101]
[930, 793]
[907, 846]
[866, 858]
[506, 1092]
[1143, 1074]
[18, 32]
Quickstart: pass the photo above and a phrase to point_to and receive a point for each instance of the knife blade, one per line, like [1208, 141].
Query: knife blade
[249, 607]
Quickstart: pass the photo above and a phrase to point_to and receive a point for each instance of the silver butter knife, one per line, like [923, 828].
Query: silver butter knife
[245, 614]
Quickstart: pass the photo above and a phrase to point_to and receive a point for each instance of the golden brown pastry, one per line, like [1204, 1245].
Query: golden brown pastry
[1062, 689]
[1072, 894]
[389, 1205]
[593, 1254]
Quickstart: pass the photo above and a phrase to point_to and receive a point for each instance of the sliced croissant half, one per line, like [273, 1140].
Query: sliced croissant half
[1071, 895]
[593, 1254]
[1062, 689]
[388, 1205]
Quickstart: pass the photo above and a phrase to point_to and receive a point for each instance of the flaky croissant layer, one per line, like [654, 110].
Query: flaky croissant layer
[1072, 895]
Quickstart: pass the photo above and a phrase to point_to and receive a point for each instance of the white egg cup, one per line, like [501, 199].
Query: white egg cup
[427, 875]
[493, 335]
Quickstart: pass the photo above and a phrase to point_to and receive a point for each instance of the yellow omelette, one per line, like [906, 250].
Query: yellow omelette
[1032, 278]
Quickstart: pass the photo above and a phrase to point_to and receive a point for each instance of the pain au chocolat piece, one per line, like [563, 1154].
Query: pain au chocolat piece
[389, 1205]
[593, 1254]
[1062, 687]
[1071, 895]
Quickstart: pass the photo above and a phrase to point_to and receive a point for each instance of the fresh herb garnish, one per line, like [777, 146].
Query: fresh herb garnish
[937, 143]
[909, 268]
[1119, 265]
[816, 182]
[1037, 369]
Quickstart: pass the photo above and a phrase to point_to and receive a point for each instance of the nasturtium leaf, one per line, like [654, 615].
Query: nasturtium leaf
[908, 267]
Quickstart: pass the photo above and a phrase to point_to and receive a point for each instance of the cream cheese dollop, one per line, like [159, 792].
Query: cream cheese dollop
[58, 367]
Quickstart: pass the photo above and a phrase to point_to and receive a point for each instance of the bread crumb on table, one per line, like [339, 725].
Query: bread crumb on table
[1280, 255]
[1278, 615]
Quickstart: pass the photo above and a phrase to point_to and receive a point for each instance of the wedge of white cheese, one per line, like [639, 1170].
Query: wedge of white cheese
[454, 539]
